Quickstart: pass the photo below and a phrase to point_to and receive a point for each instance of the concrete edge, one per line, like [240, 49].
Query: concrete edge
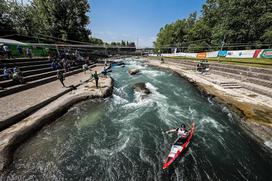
[15, 135]
[16, 118]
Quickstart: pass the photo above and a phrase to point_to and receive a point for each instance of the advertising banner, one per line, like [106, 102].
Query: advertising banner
[257, 53]
[222, 53]
[191, 55]
[267, 53]
[240, 54]
[201, 55]
[180, 54]
[212, 54]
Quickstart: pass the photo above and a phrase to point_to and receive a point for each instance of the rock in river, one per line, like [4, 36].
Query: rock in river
[133, 71]
[141, 87]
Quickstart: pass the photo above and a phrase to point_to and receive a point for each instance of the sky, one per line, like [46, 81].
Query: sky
[132, 20]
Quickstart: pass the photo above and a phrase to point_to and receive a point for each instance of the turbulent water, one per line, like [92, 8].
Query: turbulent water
[120, 138]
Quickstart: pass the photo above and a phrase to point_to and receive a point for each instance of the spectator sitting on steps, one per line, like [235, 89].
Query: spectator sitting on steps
[7, 73]
[61, 78]
[17, 76]
[54, 65]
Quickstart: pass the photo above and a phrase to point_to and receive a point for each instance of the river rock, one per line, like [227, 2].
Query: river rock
[141, 87]
[133, 71]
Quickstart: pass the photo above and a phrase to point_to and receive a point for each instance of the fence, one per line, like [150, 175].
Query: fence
[259, 53]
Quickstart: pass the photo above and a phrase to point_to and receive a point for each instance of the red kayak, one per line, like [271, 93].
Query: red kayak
[178, 147]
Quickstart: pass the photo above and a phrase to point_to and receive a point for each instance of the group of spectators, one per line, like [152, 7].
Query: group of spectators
[6, 52]
[15, 74]
[63, 62]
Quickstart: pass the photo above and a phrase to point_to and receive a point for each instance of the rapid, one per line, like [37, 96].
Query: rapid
[121, 137]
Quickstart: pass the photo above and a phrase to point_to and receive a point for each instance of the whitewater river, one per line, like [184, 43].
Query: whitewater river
[120, 138]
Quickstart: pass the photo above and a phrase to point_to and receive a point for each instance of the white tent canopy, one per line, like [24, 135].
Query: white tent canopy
[9, 41]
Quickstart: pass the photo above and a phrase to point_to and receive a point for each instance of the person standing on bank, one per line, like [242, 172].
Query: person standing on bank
[60, 76]
[95, 76]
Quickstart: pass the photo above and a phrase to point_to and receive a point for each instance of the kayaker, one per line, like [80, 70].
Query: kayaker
[181, 131]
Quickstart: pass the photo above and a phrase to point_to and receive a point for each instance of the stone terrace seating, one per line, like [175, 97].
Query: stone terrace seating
[36, 71]
[255, 79]
[259, 76]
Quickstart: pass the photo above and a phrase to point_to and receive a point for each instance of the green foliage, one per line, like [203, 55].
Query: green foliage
[123, 43]
[65, 19]
[235, 21]
[96, 41]
[6, 24]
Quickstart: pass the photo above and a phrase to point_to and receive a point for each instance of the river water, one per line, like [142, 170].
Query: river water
[120, 138]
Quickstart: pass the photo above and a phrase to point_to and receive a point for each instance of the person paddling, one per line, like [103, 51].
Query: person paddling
[181, 131]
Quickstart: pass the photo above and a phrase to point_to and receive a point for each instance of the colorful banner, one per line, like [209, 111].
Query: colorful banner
[212, 54]
[191, 55]
[222, 53]
[257, 53]
[267, 53]
[240, 54]
[201, 55]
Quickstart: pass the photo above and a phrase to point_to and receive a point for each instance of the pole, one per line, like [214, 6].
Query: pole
[222, 45]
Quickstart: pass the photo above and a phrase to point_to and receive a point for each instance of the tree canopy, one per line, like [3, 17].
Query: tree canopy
[64, 19]
[239, 23]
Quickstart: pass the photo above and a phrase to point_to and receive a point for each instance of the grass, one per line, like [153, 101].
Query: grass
[256, 62]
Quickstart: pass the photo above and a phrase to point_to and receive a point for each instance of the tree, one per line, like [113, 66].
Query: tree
[6, 24]
[66, 19]
[96, 41]
[22, 18]
[237, 21]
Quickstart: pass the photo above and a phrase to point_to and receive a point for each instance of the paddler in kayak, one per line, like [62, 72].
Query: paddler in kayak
[181, 131]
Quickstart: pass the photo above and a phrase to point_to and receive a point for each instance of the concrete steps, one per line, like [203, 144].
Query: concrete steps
[252, 73]
[230, 85]
[258, 80]
[20, 64]
[25, 59]
[37, 82]
[243, 78]
[31, 67]
[35, 72]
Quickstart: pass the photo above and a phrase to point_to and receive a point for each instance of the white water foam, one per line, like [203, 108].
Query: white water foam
[208, 120]
[268, 143]
[153, 73]
[117, 100]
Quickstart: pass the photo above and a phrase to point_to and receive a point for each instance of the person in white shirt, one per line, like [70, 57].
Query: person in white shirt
[181, 131]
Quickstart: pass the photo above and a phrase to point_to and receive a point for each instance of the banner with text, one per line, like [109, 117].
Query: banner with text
[266, 53]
